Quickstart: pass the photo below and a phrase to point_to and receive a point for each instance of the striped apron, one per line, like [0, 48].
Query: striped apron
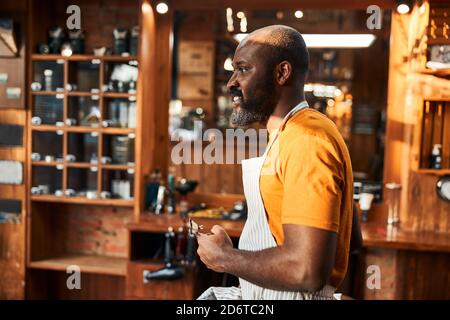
[256, 236]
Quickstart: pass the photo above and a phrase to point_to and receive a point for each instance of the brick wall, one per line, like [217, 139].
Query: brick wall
[96, 230]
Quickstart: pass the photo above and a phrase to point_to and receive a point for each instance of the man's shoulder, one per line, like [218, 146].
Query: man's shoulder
[311, 123]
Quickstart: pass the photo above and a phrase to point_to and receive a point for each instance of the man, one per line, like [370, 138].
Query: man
[295, 243]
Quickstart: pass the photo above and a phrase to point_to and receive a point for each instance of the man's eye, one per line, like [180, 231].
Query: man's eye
[242, 69]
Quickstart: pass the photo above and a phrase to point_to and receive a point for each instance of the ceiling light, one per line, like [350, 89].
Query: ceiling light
[240, 15]
[403, 8]
[338, 40]
[298, 14]
[230, 22]
[146, 8]
[228, 64]
[330, 40]
[162, 8]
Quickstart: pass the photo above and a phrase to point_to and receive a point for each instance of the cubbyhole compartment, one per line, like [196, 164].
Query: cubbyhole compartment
[48, 109]
[84, 76]
[83, 147]
[83, 111]
[48, 76]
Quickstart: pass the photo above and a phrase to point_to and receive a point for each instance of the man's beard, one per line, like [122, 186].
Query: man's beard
[257, 107]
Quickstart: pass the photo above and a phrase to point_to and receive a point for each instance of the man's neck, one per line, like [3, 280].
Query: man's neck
[281, 110]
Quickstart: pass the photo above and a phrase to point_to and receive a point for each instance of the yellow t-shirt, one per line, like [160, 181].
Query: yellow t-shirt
[307, 179]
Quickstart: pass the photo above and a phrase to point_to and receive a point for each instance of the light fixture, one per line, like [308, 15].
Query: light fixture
[162, 8]
[338, 40]
[146, 7]
[228, 64]
[330, 40]
[230, 22]
[403, 7]
[298, 14]
[240, 14]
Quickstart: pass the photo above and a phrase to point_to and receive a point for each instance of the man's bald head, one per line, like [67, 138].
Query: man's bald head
[282, 43]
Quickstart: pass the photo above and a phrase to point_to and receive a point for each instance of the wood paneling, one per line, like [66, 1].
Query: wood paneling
[421, 209]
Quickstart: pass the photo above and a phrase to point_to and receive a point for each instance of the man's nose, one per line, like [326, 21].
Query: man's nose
[232, 82]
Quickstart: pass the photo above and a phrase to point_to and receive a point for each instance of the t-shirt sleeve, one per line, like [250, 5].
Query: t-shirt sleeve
[312, 177]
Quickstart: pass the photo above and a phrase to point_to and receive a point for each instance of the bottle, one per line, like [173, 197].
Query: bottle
[171, 205]
[436, 158]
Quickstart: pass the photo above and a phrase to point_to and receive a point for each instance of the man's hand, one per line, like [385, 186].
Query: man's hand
[214, 248]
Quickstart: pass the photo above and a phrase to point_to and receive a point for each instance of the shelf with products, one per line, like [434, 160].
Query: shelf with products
[71, 99]
[434, 153]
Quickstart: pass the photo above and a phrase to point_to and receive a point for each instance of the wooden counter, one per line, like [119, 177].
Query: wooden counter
[160, 223]
[374, 234]
[377, 235]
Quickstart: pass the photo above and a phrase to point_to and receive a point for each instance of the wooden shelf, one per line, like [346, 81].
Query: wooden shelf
[81, 57]
[123, 95]
[87, 263]
[81, 129]
[81, 94]
[438, 72]
[150, 222]
[46, 93]
[83, 200]
[436, 172]
[46, 128]
[118, 130]
[117, 167]
[45, 163]
[83, 165]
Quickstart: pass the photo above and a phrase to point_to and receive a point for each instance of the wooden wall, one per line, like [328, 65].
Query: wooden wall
[12, 236]
[421, 209]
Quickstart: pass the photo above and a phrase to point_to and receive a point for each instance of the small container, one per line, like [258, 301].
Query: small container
[70, 193]
[106, 160]
[35, 191]
[71, 122]
[91, 194]
[49, 158]
[35, 156]
[365, 203]
[48, 74]
[105, 195]
[44, 188]
[393, 202]
[71, 158]
[36, 86]
[36, 121]
[59, 193]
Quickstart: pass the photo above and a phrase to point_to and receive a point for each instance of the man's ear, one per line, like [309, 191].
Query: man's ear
[283, 72]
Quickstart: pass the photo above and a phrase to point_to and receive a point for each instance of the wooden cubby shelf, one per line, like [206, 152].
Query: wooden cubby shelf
[81, 57]
[87, 263]
[83, 200]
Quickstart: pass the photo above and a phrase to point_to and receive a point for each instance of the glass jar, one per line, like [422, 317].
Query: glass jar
[393, 202]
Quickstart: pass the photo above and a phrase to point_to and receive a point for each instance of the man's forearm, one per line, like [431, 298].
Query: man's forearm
[272, 268]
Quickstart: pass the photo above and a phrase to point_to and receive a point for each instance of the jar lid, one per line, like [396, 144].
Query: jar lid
[393, 185]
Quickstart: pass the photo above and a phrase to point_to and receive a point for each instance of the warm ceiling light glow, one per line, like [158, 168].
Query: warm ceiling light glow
[338, 40]
[228, 65]
[162, 8]
[240, 15]
[298, 14]
[403, 8]
[330, 40]
[230, 23]
[146, 8]
[240, 36]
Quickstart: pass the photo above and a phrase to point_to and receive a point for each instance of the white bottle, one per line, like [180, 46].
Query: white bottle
[436, 158]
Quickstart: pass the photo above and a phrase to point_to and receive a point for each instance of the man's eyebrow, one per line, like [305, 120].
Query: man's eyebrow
[240, 62]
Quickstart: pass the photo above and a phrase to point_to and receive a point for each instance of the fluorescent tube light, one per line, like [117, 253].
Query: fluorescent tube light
[330, 40]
